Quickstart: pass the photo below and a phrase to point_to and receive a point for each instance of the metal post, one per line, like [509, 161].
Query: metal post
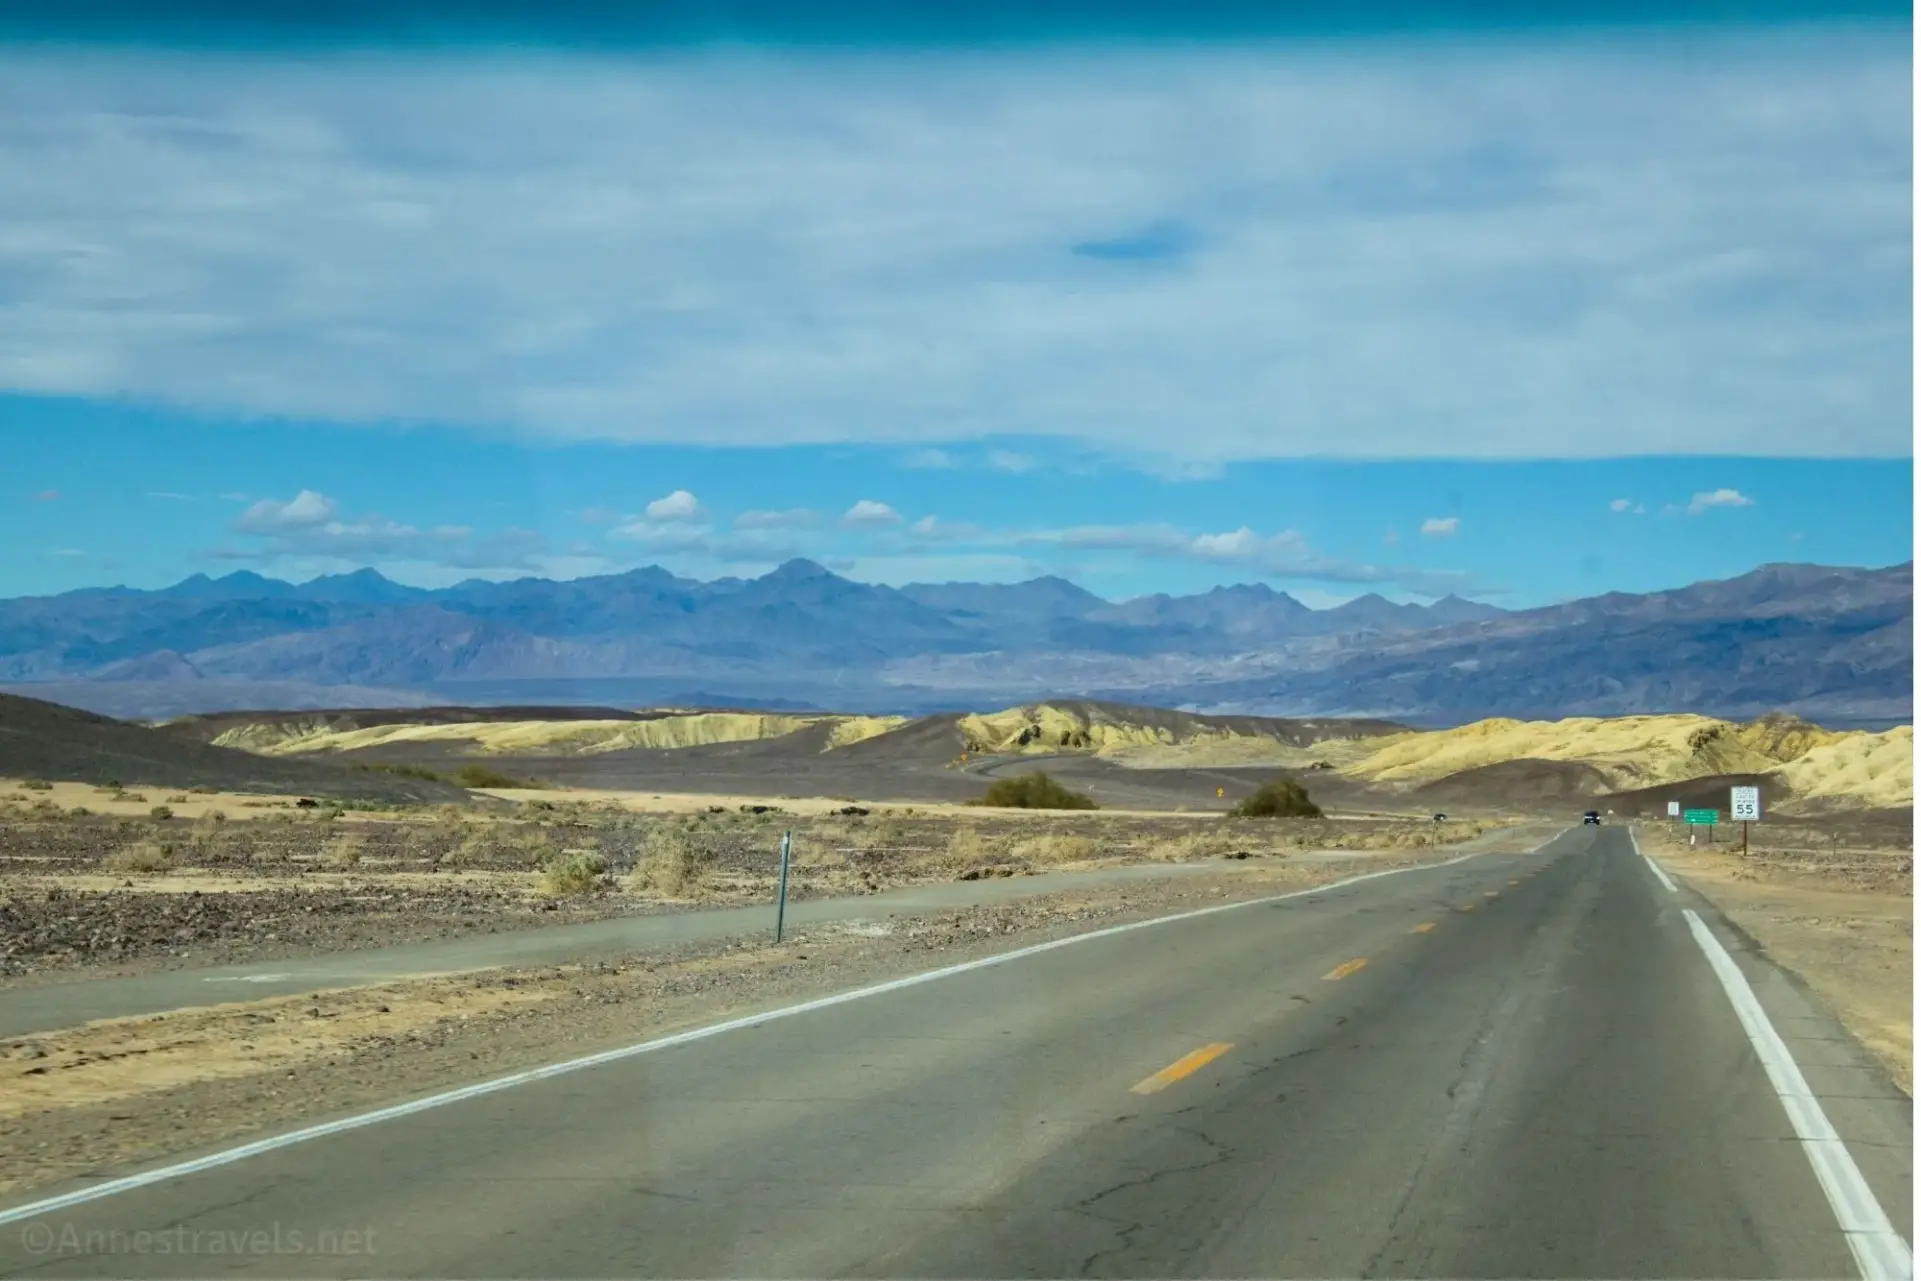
[780, 910]
[1744, 839]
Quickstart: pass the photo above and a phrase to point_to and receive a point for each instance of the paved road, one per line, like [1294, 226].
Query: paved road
[1521, 1065]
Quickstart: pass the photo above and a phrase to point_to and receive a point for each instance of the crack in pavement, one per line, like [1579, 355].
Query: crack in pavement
[1219, 1154]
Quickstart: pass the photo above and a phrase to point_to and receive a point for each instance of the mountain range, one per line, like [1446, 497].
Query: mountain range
[1821, 641]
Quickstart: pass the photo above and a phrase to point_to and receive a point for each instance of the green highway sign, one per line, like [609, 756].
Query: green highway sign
[1709, 817]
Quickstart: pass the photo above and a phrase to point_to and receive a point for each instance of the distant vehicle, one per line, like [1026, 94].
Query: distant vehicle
[1440, 818]
[1591, 819]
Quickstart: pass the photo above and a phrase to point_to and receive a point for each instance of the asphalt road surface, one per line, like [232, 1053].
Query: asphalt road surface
[1520, 1065]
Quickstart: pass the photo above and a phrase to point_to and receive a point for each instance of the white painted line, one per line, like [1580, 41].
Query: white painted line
[246, 978]
[112, 1187]
[1650, 862]
[1879, 1250]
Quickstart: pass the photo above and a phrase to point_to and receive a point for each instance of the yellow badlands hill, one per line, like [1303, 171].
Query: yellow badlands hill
[1629, 751]
[1865, 769]
[1144, 737]
[556, 738]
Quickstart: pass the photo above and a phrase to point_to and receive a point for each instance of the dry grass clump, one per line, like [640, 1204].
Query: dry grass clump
[671, 863]
[576, 872]
[145, 858]
[1195, 846]
[1055, 847]
[345, 852]
[471, 845]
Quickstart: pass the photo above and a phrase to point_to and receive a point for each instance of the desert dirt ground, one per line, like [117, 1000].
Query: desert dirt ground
[117, 1091]
[86, 894]
[1831, 900]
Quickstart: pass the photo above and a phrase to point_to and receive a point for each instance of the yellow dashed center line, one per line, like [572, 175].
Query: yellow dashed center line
[1345, 968]
[1467, 907]
[1422, 928]
[1186, 1065]
[1513, 882]
[1492, 894]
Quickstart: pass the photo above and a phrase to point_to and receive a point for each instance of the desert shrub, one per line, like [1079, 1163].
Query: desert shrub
[1055, 847]
[535, 846]
[475, 845]
[177, 798]
[575, 872]
[79, 811]
[488, 776]
[37, 785]
[1282, 798]
[1036, 791]
[146, 858]
[670, 864]
[218, 816]
[967, 845]
[404, 771]
[161, 812]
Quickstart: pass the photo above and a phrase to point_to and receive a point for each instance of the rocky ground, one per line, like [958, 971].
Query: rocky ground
[98, 894]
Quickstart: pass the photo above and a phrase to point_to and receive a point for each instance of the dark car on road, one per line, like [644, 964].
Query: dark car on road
[1591, 819]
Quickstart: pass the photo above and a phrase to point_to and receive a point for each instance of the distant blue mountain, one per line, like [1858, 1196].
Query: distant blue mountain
[1823, 637]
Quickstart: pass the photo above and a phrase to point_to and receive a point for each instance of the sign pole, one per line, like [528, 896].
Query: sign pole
[780, 909]
[1744, 838]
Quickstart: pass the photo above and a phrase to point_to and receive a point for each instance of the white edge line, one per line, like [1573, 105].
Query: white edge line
[1650, 862]
[127, 1183]
[1879, 1250]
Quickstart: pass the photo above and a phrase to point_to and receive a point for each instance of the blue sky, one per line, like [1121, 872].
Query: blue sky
[1397, 310]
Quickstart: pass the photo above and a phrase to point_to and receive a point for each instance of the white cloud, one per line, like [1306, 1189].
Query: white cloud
[170, 495]
[1392, 538]
[951, 531]
[1621, 505]
[47, 496]
[839, 248]
[308, 529]
[928, 460]
[792, 518]
[1440, 526]
[1718, 498]
[677, 506]
[867, 512]
[305, 510]
[1283, 555]
[1009, 461]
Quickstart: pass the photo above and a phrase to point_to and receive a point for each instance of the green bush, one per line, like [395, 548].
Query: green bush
[404, 771]
[37, 785]
[488, 776]
[1036, 791]
[1283, 798]
[161, 811]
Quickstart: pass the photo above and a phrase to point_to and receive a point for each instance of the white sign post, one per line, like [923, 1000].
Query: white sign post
[1745, 804]
[1674, 809]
